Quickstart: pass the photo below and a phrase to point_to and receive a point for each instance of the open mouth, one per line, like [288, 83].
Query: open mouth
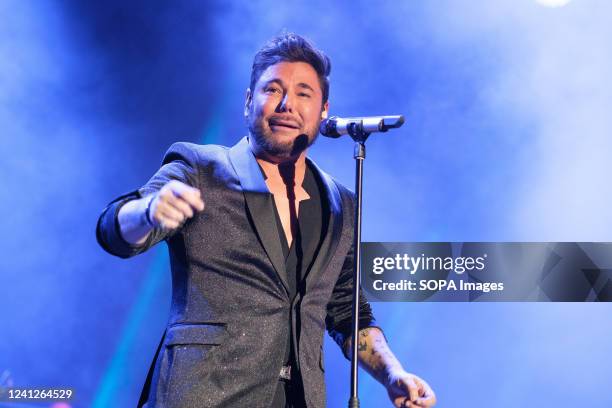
[283, 124]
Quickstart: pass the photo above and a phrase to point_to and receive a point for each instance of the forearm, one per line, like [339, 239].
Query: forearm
[133, 224]
[375, 356]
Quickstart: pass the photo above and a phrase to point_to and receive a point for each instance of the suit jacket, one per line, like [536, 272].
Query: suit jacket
[225, 341]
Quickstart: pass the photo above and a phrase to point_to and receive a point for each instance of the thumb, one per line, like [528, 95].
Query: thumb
[411, 388]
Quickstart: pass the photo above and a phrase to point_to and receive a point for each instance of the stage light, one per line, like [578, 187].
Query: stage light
[552, 3]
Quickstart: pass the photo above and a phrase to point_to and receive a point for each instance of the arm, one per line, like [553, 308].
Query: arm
[167, 208]
[404, 389]
[373, 352]
[138, 220]
[134, 226]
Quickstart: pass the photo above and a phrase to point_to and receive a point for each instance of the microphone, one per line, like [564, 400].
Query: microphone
[335, 127]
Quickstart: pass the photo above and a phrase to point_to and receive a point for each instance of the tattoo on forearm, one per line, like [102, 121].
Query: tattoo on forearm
[379, 360]
[362, 345]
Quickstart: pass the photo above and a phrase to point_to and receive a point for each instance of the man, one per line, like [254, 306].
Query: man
[260, 243]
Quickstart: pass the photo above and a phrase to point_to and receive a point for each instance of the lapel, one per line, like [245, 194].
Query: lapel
[334, 228]
[260, 204]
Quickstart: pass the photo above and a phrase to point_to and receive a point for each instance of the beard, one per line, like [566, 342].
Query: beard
[282, 150]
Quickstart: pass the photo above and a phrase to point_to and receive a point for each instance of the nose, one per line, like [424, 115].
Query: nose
[286, 104]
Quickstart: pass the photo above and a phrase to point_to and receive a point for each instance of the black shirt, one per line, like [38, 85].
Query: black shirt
[307, 235]
[312, 223]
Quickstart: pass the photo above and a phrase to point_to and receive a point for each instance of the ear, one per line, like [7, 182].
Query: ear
[325, 110]
[248, 100]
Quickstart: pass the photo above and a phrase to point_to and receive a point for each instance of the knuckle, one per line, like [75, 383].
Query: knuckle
[176, 215]
[190, 195]
[162, 205]
[165, 194]
[183, 207]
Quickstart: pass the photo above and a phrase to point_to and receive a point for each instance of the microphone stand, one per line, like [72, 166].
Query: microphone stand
[359, 136]
[359, 129]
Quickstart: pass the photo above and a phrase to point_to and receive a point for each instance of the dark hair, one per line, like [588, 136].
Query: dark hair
[290, 47]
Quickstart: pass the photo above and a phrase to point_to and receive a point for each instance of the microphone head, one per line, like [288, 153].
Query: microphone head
[327, 128]
[392, 122]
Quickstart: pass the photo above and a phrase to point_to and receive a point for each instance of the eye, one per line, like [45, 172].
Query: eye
[304, 94]
[271, 90]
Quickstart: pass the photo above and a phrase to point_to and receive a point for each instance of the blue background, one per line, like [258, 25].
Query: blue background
[507, 138]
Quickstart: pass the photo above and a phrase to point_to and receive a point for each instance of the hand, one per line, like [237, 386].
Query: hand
[173, 204]
[407, 390]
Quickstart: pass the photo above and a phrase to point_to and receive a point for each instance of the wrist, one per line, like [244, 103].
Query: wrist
[393, 373]
[147, 216]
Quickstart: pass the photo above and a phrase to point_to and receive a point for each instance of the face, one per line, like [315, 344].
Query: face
[284, 110]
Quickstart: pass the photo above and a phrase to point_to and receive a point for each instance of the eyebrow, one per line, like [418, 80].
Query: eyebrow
[305, 85]
[279, 82]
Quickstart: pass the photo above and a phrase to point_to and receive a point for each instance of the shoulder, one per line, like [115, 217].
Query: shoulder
[195, 154]
[346, 195]
[345, 192]
[329, 180]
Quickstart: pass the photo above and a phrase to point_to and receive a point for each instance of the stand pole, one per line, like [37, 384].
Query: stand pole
[359, 155]
[356, 128]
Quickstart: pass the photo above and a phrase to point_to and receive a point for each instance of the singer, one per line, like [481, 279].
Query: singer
[260, 243]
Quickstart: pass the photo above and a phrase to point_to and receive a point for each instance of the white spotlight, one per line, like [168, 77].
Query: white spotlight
[552, 3]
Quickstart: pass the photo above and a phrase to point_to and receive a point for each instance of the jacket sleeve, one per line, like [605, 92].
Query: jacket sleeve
[339, 309]
[180, 163]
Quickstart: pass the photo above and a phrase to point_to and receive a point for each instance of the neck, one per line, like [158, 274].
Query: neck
[290, 171]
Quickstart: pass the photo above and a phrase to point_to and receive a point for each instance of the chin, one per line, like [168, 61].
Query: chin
[287, 149]
[282, 144]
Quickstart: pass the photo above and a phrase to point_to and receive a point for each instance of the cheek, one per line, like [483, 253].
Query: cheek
[312, 114]
[266, 106]
[258, 108]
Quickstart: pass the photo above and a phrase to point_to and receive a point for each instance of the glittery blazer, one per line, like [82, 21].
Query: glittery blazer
[225, 340]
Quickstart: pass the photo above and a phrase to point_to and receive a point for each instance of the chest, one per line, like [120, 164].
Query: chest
[287, 201]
